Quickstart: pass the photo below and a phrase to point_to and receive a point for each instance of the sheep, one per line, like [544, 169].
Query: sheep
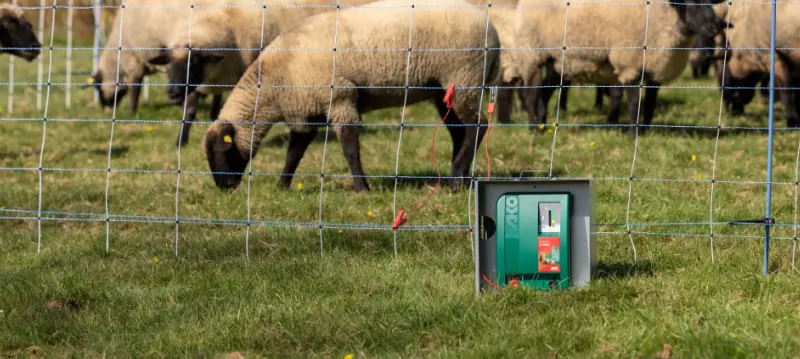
[298, 87]
[148, 25]
[211, 33]
[601, 29]
[744, 69]
[16, 34]
[701, 59]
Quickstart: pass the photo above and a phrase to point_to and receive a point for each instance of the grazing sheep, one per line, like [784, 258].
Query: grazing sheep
[148, 25]
[701, 59]
[211, 37]
[745, 67]
[600, 30]
[16, 34]
[373, 56]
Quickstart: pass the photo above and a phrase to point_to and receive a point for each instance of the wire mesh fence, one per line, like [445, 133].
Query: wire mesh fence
[696, 173]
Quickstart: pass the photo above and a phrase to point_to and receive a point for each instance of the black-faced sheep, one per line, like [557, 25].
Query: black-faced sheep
[373, 62]
[605, 44]
[224, 42]
[146, 27]
[747, 60]
[17, 37]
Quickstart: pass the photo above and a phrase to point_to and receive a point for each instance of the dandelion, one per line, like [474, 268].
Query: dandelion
[694, 157]
[591, 144]
[348, 356]
[369, 213]
[299, 186]
[549, 130]
[149, 128]
[155, 259]
[699, 177]
[541, 126]
[227, 139]
[90, 80]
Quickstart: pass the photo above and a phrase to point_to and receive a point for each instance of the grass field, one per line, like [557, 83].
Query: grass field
[139, 299]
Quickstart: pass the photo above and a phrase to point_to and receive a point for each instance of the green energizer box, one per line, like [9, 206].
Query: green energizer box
[533, 248]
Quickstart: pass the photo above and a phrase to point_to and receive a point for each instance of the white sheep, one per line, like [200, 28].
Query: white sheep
[16, 34]
[746, 67]
[605, 44]
[224, 42]
[371, 66]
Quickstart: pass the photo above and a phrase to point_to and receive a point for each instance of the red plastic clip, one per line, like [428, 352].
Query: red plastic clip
[450, 95]
[492, 99]
[400, 219]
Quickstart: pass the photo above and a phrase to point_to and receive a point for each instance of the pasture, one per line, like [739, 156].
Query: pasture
[295, 295]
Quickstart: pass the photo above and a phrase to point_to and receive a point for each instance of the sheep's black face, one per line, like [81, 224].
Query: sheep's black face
[224, 156]
[737, 92]
[705, 46]
[17, 37]
[698, 17]
[105, 92]
[186, 74]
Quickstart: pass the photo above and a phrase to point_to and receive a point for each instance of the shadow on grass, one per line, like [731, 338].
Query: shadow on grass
[624, 269]
[116, 151]
[420, 179]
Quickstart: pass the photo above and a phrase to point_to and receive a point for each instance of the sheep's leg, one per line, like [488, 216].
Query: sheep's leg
[473, 135]
[614, 104]
[533, 102]
[789, 99]
[522, 94]
[650, 99]
[135, 91]
[504, 104]
[298, 144]
[188, 119]
[216, 107]
[633, 107]
[562, 101]
[348, 138]
[453, 124]
[598, 96]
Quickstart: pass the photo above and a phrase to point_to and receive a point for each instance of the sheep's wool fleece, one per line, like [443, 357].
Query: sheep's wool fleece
[448, 39]
[751, 30]
[501, 14]
[605, 27]
[248, 29]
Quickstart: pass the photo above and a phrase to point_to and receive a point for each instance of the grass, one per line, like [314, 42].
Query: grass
[74, 299]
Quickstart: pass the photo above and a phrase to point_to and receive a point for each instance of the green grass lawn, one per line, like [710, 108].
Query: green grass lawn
[140, 299]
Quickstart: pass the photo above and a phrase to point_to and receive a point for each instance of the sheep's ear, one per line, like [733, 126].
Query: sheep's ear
[225, 138]
[162, 58]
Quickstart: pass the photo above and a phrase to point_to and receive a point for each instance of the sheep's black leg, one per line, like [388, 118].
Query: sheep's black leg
[298, 144]
[522, 94]
[136, 89]
[188, 119]
[473, 135]
[348, 138]
[504, 104]
[599, 92]
[532, 103]
[614, 104]
[216, 107]
[453, 124]
[633, 107]
[790, 99]
[650, 99]
[562, 101]
[551, 80]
